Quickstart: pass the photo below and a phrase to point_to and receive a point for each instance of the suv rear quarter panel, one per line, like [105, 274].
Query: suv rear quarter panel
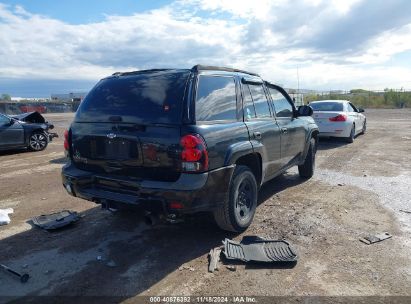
[226, 140]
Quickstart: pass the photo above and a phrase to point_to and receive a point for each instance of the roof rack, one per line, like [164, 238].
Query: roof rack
[199, 67]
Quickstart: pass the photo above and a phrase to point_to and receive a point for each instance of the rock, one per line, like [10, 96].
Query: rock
[231, 267]
[185, 267]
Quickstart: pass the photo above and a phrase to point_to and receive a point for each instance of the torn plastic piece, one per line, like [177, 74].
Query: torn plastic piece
[371, 239]
[214, 257]
[56, 220]
[253, 248]
[4, 216]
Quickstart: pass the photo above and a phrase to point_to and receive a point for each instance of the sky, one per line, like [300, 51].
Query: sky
[49, 46]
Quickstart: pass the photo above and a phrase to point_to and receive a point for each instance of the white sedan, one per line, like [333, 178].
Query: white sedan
[338, 118]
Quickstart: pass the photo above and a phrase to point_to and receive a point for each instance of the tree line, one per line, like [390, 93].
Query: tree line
[388, 98]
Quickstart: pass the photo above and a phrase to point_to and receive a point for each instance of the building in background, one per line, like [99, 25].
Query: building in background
[73, 98]
[69, 97]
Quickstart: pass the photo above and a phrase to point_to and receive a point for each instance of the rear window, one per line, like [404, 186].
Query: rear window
[327, 106]
[149, 97]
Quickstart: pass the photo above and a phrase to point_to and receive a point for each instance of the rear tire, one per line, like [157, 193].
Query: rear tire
[350, 139]
[364, 127]
[38, 141]
[237, 212]
[306, 170]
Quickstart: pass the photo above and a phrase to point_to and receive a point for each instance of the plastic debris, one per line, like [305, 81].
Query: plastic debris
[4, 216]
[254, 248]
[371, 239]
[56, 220]
[214, 258]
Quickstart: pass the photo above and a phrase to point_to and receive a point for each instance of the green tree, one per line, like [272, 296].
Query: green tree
[6, 97]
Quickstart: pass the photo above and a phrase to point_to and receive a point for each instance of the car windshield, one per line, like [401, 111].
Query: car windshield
[150, 97]
[327, 106]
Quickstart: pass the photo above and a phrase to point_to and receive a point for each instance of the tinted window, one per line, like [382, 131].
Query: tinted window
[281, 105]
[216, 99]
[327, 106]
[260, 100]
[4, 120]
[249, 111]
[149, 97]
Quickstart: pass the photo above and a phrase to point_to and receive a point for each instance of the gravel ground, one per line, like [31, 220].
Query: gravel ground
[358, 189]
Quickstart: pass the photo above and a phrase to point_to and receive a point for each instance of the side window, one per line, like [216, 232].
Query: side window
[249, 111]
[260, 101]
[4, 120]
[281, 105]
[351, 108]
[216, 99]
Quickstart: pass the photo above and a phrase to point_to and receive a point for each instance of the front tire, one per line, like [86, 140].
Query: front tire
[238, 211]
[306, 170]
[38, 141]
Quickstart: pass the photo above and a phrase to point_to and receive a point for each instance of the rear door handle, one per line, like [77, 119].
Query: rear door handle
[284, 130]
[257, 135]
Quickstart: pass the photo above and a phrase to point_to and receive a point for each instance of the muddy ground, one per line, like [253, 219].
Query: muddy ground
[358, 189]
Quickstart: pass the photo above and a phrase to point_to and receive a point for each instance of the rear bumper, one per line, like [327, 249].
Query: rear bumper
[197, 192]
[335, 129]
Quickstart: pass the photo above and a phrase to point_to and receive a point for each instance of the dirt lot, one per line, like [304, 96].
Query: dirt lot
[358, 189]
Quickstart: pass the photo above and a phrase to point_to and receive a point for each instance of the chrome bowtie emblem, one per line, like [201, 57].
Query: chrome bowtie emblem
[111, 135]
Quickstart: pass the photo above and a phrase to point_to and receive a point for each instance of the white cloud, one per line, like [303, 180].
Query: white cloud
[272, 38]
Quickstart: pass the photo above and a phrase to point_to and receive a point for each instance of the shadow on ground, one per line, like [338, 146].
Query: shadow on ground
[331, 143]
[61, 160]
[14, 152]
[279, 184]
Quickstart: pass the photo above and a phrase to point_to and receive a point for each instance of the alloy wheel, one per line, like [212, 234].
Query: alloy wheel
[38, 141]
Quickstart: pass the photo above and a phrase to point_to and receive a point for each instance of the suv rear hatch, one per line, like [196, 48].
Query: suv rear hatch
[130, 125]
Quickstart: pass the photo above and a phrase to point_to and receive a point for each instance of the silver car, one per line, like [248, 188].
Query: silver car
[338, 118]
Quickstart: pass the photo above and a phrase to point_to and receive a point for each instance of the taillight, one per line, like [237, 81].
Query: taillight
[66, 141]
[340, 117]
[175, 205]
[194, 155]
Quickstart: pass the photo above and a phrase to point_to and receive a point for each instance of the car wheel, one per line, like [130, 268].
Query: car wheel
[350, 139]
[364, 127]
[238, 211]
[306, 170]
[38, 141]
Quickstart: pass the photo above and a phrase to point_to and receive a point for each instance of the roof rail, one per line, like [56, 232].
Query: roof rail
[138, 72]
[200, 67]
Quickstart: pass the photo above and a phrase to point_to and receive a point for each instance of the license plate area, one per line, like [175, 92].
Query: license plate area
[117, 186]
[119, 149]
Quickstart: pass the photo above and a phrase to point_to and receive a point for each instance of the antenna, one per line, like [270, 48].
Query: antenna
[298, 80]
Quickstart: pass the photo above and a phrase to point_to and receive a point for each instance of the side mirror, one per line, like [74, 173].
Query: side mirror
[361, 110]
[305, 111]
[10, 123]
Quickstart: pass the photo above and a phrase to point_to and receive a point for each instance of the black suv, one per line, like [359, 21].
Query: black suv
[183, 141]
